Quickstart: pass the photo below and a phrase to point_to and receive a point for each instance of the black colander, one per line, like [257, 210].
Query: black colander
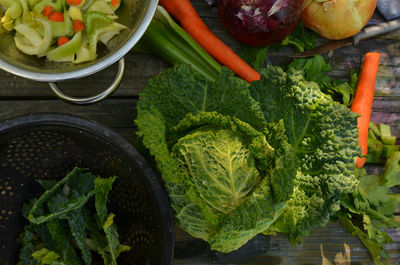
[48, 146]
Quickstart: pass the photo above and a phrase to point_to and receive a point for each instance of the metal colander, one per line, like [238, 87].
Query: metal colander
[48, 146]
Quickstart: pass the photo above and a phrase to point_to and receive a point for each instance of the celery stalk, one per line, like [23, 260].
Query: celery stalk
[168, 40]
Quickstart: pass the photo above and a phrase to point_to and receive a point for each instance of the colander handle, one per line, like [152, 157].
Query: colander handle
[96, 98]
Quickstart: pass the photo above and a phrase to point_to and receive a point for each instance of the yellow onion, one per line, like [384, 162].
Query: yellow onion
[337, 19]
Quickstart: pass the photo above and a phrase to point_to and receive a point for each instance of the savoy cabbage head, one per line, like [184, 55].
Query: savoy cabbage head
[231, 153]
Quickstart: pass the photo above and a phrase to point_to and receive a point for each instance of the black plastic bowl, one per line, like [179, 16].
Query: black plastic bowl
[48, 146]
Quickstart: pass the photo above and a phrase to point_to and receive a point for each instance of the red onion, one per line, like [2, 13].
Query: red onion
[260, 22]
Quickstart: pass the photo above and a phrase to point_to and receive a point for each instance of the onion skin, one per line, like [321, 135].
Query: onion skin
[337, 19]
[249, 21]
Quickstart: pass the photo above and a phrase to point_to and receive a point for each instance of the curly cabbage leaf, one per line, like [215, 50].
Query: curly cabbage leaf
[325, 140]
[227, 171]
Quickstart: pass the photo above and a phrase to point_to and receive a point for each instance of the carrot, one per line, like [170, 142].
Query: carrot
[78, 26]
[56, 17]
[73, 2]
[62, 40]
[47, 11]
[363, 99]
[187, 16]
[114, 3]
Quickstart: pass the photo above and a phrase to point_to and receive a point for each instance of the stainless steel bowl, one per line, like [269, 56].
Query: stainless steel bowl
[135, 14]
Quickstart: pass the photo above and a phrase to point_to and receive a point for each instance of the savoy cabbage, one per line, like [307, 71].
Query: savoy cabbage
[239, 159]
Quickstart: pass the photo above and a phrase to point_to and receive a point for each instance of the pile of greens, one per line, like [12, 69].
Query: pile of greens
[66, 225]
[240, 159]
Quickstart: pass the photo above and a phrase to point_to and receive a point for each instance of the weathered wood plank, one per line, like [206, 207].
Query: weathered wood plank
[277, 250]
[115, 113]
[139, 68]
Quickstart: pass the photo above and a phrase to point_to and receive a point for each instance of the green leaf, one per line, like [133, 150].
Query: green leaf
[253, 55]
[315, 69]
[76, 224]
[45, 256]
[392, 170]
[59, 232]
[102, 187]
[376, 250]
[60, 201]
[301, 38]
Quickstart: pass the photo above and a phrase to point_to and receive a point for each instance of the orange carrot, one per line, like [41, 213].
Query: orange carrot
[363, 99]
[47, 11]
[56, 17]
[187, 16]
[73, 2]
[78, 26]
[62, 40]
[114, 3]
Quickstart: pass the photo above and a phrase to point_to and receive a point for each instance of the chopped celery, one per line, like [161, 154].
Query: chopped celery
[95, 18]
[14, 9]
[75, 13]
[64, 28]
[25, 9]
[101, 6]
[58, 5]
[68, 49]
[97, 33]
[25, 43]
[375, 149]
[390, 149]
[9, 26]
[168, 40]
[32, 3]
[29, 33]
[386, 135]
[106, 36]
[83, 55]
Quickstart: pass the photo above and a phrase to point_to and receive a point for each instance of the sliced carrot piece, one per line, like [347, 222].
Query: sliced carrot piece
[78, 26]
[74, 2]
[56, 17]
[62, 40]
[114, 3]
[47, 11]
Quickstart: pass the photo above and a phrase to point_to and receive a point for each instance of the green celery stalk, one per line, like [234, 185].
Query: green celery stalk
[168, 40]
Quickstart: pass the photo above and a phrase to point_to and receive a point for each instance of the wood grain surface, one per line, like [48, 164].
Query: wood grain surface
[20, 96]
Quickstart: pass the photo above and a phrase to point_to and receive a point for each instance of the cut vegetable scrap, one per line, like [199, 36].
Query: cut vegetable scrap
[107, 31]
[66, 49]
[25, 43]
[381, 143]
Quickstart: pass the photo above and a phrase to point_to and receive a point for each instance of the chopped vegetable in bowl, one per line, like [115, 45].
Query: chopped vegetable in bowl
[61, 30]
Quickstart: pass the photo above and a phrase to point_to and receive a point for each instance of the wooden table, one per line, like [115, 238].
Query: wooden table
[20, 96]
